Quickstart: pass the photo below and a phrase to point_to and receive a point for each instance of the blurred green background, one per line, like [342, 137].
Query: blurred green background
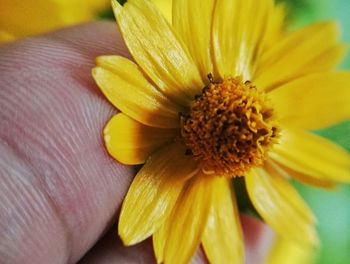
[331, 208]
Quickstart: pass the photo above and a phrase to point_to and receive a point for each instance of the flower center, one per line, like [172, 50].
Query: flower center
[230, 128]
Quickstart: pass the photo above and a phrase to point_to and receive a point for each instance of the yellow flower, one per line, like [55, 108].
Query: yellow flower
[20, 18]
[223, 92]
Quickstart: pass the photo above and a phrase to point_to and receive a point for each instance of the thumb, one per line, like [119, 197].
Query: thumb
[60, 190]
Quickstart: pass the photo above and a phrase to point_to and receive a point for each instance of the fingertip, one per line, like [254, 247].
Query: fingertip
[54, 117]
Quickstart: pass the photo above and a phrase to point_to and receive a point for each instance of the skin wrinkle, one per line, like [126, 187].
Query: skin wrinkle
[66, 114]
[17, 221]
[41, 173]
[24, 154]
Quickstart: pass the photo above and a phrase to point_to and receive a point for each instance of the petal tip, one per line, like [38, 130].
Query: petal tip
[123, 237]
[100, 59]
[125, 233]
[94, 72]
[129, 239]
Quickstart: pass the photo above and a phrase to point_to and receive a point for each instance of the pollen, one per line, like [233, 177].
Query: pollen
[230, 127]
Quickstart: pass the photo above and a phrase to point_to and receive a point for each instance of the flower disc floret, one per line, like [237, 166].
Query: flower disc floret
[230, 127]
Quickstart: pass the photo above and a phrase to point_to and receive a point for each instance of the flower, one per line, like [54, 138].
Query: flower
[224, 92]
[26, 18]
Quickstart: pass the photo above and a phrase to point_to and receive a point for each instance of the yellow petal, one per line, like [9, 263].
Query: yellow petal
[281, 207]
[238, 27]
[285, 251]
[94, 5]
[312, 155]
[159, 239]
[20, 19]
[276, 27]
[165, 7]
[125, 86]
[222, 239]
[315, 101]
[188, 220]
[130, 142]
[24, 18]
[157, 50]
[153, 193]
[192, 21]
[273, 167]
[6, 36]
[303, 52]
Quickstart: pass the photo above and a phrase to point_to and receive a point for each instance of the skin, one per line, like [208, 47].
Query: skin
[60, 192]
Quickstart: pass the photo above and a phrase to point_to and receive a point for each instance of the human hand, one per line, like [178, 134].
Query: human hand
[60, 192]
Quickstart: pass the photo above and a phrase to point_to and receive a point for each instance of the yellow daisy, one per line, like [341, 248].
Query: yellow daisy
[21, 18]
[223, 92]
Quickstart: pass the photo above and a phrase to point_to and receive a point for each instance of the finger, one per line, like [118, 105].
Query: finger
[59, 189]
